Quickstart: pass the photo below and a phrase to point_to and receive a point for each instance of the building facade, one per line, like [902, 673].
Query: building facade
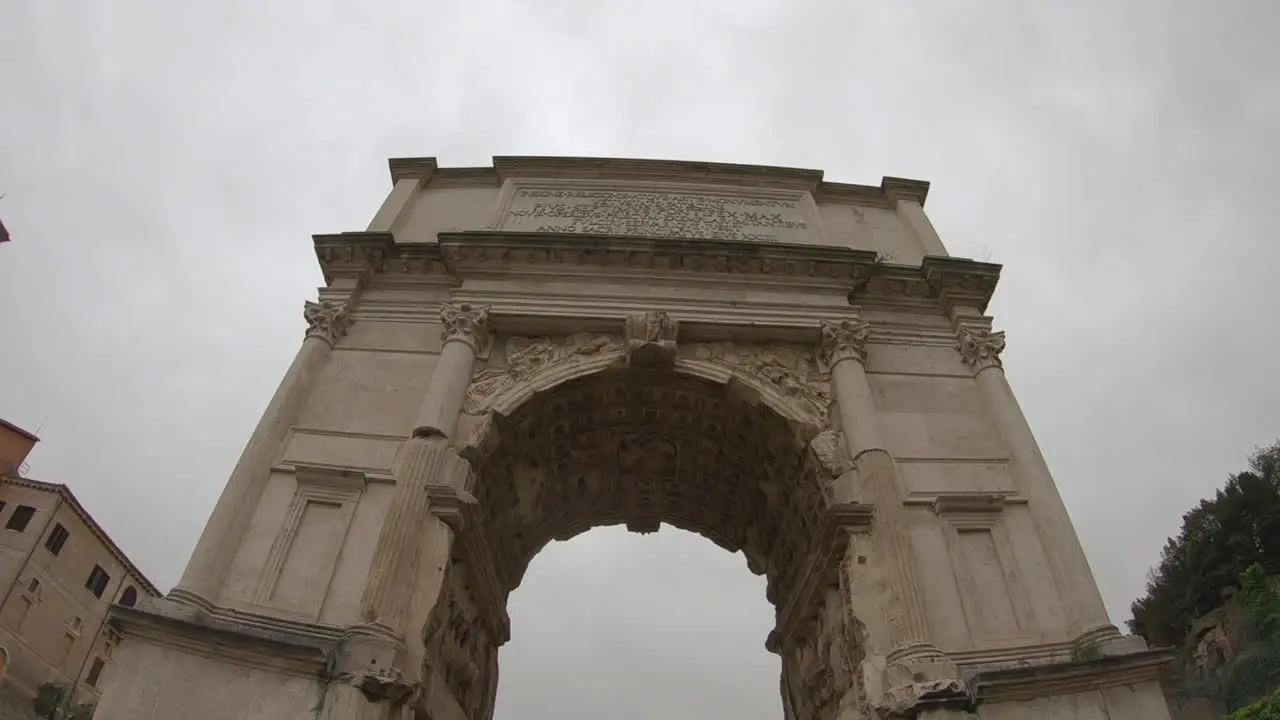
[60, 573]
[795, 369]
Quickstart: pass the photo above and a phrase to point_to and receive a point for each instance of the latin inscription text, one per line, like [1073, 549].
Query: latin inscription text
[655, 214]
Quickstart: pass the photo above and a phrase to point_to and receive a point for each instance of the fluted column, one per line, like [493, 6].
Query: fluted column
[202, 580]
[426, 457]
[844, 351]
[981, 349]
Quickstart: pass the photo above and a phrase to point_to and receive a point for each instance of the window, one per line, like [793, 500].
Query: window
[94, 673]
[129, 597]
[33, 586]
[20, 517]
[57, 538]
[76, 623]
[98, 579]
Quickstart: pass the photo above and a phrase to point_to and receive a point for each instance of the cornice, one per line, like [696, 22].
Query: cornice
[456, 255]
[293, 651]
[427, 170]
[1038, 681]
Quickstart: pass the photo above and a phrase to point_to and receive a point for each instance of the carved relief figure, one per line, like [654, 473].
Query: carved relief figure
[790, 370]
[527, 356]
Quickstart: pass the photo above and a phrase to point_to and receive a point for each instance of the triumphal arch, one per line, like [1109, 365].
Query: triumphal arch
[510, 355]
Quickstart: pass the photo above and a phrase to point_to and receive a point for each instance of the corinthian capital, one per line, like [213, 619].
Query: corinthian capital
[466, 323]
[844, 340]
[326, 320]
[980, 347]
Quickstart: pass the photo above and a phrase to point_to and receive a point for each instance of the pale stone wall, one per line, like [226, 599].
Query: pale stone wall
[174, 683]
[1142, 700]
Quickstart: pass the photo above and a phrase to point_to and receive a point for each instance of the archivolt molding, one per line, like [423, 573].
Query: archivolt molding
[783, 376]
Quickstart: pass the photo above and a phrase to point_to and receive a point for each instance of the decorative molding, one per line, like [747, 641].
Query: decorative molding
[461, 512]
[326, 320]
[844, 340]
[980, 348]
[318, 485]
[982, 513]
[968, 504]
[960, 283]
[651, 339]
[466, 323]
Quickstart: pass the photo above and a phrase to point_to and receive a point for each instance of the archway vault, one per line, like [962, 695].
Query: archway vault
[727, 442]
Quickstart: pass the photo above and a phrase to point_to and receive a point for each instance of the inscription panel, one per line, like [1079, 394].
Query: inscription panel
[658, 210]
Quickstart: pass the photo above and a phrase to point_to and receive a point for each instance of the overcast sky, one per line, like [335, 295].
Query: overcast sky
[166, 163]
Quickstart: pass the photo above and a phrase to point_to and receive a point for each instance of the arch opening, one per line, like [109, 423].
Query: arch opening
[637, 447]
[613, 624]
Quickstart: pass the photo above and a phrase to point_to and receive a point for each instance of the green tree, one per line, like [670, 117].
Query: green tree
[1220, 538]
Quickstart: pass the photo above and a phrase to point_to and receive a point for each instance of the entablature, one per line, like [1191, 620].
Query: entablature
[807, 273]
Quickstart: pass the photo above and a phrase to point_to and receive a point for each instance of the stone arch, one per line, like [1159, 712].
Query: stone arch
[584, 440]
[783, 377]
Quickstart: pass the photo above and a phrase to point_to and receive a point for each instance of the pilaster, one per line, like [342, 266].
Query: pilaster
[201, 582]
[981, 349]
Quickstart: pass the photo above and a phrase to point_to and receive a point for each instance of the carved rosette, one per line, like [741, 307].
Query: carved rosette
[651, 339]
[980, 348]
[465, 323]
[326, 320]
[844, 340]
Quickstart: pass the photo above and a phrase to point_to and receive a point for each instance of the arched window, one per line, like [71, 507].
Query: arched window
[129, 597]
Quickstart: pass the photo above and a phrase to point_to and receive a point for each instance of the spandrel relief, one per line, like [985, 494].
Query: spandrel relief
[790, 370]
[527, 356]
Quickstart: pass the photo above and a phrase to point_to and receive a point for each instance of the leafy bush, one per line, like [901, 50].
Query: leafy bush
[1268, 708]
